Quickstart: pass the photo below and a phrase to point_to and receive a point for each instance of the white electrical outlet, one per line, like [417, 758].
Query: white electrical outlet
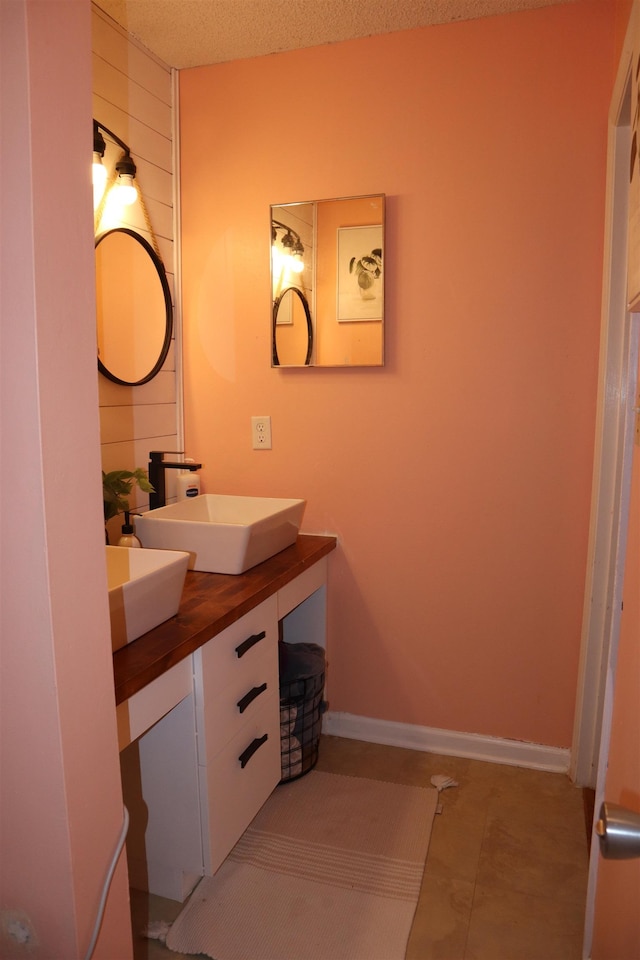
[261, 433]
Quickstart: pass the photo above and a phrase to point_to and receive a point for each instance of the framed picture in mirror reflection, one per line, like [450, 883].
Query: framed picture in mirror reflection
[360, 273]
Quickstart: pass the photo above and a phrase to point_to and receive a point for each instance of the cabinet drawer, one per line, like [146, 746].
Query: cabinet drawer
[235, 665]
[225, 656]
[228, 710]
[232, 793]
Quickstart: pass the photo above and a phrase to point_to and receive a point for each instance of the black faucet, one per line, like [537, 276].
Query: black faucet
[157, 467]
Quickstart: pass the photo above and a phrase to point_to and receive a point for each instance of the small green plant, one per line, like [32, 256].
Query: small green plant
[116, 489]
[367, 268]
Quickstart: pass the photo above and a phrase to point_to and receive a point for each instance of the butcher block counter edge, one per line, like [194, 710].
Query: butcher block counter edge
[210, 603]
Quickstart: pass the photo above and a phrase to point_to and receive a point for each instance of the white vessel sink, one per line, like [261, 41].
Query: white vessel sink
[145, 587]
[223, 534]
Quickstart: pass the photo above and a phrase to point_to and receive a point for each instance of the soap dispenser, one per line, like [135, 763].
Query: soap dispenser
[187, 483]
[128, 538]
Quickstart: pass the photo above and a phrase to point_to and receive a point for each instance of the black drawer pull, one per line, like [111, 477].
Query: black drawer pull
[250, 642]
[250, 697]
[251, 749]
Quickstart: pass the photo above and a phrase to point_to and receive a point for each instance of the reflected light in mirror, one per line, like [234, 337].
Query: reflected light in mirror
[287, 255]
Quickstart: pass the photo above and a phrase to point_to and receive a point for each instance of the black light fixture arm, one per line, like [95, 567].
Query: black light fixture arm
[125, 165]
[97, 127]
[283, 226]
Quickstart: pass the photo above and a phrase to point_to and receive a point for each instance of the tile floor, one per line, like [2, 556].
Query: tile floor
[506, 873]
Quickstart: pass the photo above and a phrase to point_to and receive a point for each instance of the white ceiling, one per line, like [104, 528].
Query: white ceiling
[190, 33]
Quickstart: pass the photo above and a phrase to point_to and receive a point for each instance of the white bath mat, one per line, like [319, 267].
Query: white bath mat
[330, 869]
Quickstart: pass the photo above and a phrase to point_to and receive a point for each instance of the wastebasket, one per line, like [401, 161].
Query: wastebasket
[302, 674]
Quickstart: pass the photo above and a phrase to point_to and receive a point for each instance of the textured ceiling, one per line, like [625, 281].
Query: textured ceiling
[190, 33]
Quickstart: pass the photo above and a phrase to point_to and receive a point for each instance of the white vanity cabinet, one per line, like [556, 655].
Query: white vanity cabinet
[238, 727]
[200, 740]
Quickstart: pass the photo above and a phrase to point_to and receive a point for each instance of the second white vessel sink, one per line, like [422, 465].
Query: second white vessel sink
[145, 587]
[223, 534]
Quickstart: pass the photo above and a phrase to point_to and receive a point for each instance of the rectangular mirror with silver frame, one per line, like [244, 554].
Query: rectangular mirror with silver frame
[327, 282]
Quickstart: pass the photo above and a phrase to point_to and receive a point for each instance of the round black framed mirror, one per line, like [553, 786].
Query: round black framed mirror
[292, 338]
[133, 308]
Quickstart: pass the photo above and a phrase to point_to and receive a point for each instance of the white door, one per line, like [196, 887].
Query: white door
[599, 621]
[607, 741]
[613, 902]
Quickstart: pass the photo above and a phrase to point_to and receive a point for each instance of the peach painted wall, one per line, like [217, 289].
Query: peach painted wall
[61, 804]
[457, 478]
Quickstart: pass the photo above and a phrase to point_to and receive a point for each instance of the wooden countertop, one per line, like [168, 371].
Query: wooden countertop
[210, 602]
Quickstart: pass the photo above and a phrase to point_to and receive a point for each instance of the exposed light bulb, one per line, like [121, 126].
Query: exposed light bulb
[125, 190]
[99, 179]
[125, 186]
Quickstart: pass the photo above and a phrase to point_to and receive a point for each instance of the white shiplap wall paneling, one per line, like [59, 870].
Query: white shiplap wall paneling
[111, 43]
[141, 420]
[113, 86]
[159, 390]
[132, 95]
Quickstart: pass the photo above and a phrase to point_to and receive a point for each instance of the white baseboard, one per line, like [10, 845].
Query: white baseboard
[448, 743]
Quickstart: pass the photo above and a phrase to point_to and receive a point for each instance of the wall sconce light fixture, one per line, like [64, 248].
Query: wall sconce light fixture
[124, 184]
[290, 252]
[99, 174]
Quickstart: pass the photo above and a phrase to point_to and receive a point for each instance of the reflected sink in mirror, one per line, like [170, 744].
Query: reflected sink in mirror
[145, 587]
[223, 534]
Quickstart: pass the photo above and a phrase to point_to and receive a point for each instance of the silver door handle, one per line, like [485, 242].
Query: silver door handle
[619, 832]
